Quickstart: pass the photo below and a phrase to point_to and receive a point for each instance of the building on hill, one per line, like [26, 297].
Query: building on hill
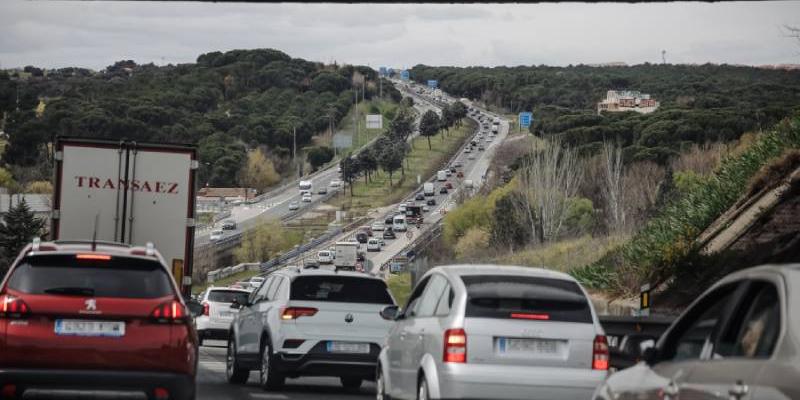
[627, 100]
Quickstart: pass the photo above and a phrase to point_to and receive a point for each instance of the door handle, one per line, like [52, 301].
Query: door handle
[739, 390]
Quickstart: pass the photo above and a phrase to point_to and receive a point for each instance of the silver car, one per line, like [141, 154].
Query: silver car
[736, 341]
[488, 331]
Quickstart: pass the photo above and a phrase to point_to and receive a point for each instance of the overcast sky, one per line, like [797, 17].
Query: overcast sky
[95, 34]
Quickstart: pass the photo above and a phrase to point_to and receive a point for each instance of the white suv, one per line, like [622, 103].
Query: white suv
[215, 321]
[310, 323]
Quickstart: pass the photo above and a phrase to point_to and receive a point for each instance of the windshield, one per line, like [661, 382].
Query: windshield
[340, 289]
[227, 296]
[121, 277]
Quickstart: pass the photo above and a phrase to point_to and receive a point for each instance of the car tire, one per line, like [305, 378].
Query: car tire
[235, 373]
[269, 379]
[351, 383]
[422, 389]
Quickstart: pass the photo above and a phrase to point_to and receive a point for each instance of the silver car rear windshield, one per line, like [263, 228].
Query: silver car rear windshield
[342, 289]
[66, 275]
[526, 298]
[227, 296]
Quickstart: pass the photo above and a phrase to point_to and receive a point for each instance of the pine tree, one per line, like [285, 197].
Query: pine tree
[19, 227]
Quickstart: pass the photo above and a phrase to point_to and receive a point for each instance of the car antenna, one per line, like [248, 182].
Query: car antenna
[94, 232]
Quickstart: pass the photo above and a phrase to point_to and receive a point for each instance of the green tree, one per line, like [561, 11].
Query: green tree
[350, 170]
[318, 156]
[391, 158]
[429, 126]
[19, 227]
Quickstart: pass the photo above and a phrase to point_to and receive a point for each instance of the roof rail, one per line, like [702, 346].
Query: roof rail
[89, 242]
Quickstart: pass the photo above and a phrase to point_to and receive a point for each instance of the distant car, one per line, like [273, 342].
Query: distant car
[471, 157]
[458, 164]
[389, 220]
[216, 234]
[402, 208]
[217, 315]
[443, 190]
[419, 197]
[256, 281]
[389, 234]
[448, 185]
[481, 148]
[336, 184]
[448, 172]
[378, 226]
[294, 206]
[360, 256]
[366, 229]
[373, 245]
[468, 150]
[460, 174]
[310, 263]
[322, 190]
[324, 257]
[362, 237]
[501, 332]
[307, 198]
[452, 170]
[425, 208]
[431, 202]
[229, 225]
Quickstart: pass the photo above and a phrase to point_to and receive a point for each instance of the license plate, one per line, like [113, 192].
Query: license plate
[76, 327]
[226, 314]
[527, 346]
[347, 347]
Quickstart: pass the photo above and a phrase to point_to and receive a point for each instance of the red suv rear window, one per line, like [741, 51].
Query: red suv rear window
[65, 275]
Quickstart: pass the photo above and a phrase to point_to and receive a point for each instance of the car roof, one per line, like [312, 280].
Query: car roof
[785, 270]
[114, 249]
[495, 269]
[227, 289]
[296, 272]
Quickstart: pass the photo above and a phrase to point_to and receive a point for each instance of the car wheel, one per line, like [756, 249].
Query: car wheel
[269, 379]
[233, 371]
[422, 389]
[351, 383]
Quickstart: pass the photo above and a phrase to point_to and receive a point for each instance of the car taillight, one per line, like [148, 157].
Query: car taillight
[455, 346]
[172, 311]
[291, 313]
[600, 353]
[13, 307]
[206, 309]
[539, 317]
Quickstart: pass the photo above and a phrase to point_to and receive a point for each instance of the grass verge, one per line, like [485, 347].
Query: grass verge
[400, 286]
[420, 161]
[564, 255]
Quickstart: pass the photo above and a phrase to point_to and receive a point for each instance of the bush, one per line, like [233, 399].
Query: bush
[472, 245]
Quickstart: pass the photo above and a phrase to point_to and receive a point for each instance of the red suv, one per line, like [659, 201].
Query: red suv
[106, 319]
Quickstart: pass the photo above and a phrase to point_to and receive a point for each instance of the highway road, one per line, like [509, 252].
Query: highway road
[276, 204]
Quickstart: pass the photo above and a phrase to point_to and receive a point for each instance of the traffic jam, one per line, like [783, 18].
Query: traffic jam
[102, 319]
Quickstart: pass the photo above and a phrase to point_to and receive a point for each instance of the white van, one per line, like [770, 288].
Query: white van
[468, 184]
[399, 223]
[441, 176]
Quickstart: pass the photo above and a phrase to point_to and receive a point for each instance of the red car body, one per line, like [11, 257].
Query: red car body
[125, 329]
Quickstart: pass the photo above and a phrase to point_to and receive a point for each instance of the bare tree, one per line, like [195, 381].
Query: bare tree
[614, 187]
[642, 181]
[549, 176]
[700, 159]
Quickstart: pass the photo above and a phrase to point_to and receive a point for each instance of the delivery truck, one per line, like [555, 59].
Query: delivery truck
[428, 189]
[346, 255]
[128, 192]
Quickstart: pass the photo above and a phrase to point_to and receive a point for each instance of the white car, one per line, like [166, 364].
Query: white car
[324, 257]
[216, 234]
[402, 208]
[256, 281]
[336, 184]
[378, 226]
[215, 321]
[310, 322]
[294, 206]
[471, 157]
[488, 331]
[373, 245]
[307, 198]
[425, 208]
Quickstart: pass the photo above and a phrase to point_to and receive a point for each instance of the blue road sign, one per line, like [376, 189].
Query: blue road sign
[433, 84]
[383, 71]
[390, 71]
[525, 119]
[404, 75]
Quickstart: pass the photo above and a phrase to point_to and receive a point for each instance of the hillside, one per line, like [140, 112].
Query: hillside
[226, 103]
[697, 103]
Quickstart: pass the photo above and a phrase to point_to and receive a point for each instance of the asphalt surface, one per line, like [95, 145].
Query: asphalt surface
[213, 386]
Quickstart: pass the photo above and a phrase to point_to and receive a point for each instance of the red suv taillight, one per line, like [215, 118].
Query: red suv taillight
[13, 307]
[172, 311]
[291, 313]
[455, 346]
[600, 353]
[206, 308]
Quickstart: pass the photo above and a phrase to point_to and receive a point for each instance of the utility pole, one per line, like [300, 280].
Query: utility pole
[355, 115]
[294, 148]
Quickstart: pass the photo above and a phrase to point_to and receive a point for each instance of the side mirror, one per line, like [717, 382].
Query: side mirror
[390, 313]
[195, 308]
[649, 354]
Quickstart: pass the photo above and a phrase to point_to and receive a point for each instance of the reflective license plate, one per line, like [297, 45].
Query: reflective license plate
[347, 347]
[226, 314]
[76, 327]
[527, 346]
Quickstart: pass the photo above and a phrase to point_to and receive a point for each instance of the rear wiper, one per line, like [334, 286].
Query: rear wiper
[71, 291]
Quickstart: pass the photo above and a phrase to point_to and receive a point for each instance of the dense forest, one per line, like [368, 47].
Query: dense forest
[225, 103]
[698, 104]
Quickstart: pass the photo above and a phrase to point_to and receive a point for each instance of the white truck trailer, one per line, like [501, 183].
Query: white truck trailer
[428, 189]
[128, 192]
[346, 255]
